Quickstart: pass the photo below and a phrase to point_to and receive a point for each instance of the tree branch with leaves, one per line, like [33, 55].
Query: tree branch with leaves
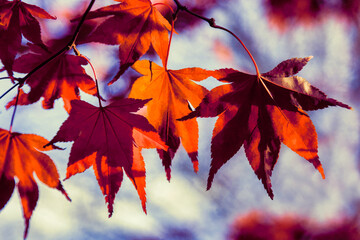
[258, 111]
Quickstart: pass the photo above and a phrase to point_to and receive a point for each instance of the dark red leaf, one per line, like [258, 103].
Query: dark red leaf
[16, 19]
[260, 113]
[60, 78]
[109, 139]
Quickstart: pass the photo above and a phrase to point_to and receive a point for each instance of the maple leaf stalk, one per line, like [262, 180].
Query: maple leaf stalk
[15, 107]
[211, 22]
[96, 81]
[171, 33]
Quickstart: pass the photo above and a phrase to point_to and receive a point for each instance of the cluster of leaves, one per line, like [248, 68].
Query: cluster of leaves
[258, 111]
[260, 225]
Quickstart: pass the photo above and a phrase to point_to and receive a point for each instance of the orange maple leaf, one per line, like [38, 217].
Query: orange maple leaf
[171, 92]
[18, 18]
[110, 139]
[134, 25]
[60, 78]
[20, 158]
[260, 113]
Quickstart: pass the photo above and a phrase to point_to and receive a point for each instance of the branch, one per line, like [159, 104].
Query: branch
[211, 22]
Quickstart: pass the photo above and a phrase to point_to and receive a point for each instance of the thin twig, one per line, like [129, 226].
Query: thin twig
[69, 46]
[9, 90]
[211, 22]
[77, 31]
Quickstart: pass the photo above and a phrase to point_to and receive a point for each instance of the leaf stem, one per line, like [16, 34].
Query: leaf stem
[243, 44]
[211, 22]
[96, 81]
[168, 50]
[15, 108]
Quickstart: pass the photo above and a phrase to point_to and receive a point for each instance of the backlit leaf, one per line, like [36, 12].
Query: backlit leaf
[110, 139]
[260, 113]
[171, 92]
[20, 158]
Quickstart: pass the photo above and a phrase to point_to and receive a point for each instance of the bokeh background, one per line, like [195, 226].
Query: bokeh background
[237, 203]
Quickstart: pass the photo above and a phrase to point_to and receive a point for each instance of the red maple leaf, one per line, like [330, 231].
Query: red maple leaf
[16, 19]
[171, 92]
[260, 113]
[20, 158]
[134, 25]
[110, 139]
[60, 78]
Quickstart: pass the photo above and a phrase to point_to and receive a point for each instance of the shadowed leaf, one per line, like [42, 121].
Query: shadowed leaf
[18, 19]
[60, 78]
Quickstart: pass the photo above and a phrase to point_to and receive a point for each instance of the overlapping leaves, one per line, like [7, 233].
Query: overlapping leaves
[257, 112]
[18, 19]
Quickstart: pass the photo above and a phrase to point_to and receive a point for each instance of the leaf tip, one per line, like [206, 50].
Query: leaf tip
[27, 222]
[168, 174]
[144, 209]
[209, 182]
[321, 170]
[195, 162]
[62, 190]
[196, 166]
[271, 194]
